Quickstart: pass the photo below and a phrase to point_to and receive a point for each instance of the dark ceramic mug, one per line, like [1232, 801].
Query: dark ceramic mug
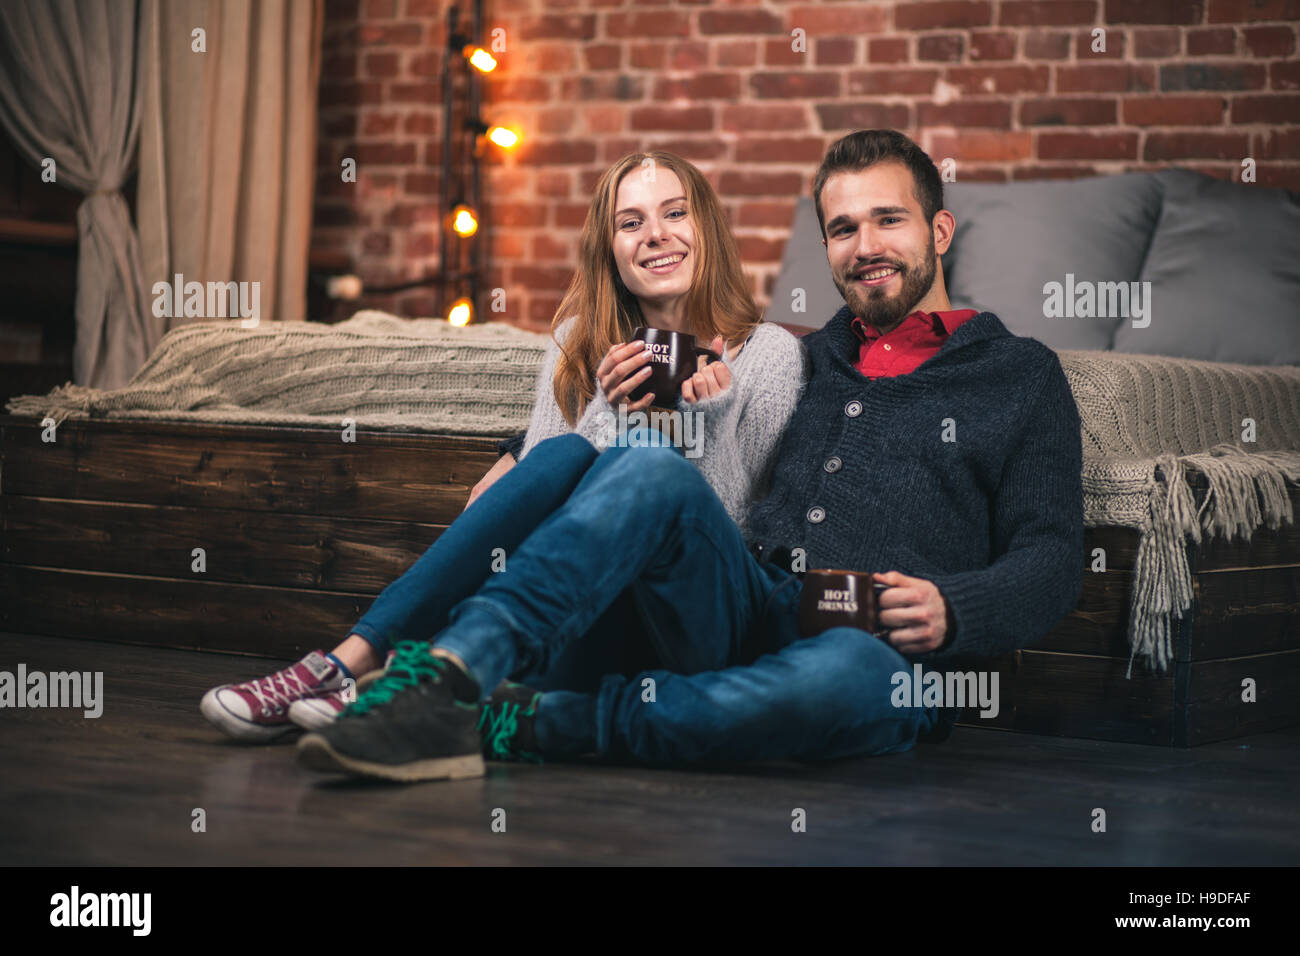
[673, 359]
[836, 598]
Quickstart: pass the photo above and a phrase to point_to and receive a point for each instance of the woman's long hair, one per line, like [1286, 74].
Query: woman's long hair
[718, 302]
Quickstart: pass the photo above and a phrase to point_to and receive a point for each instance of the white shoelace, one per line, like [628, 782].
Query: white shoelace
[270, 698]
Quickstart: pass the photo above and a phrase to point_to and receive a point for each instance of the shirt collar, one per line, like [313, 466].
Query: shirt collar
[942, 322]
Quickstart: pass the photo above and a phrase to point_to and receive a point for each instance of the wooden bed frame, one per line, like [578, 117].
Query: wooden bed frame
[300, 530]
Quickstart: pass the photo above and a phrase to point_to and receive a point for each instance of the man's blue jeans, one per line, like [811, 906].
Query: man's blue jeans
[643, 554]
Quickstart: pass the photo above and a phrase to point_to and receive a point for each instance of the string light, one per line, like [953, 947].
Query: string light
[503, 136]
[464, 221]
[462, 310]
[481, 59]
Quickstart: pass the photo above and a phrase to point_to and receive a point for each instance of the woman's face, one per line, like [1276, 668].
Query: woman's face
[653, 238]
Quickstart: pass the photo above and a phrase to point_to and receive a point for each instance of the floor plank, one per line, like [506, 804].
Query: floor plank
[120, 790]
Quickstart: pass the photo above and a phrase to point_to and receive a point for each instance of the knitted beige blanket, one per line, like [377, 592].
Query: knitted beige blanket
[1146, 420]
[382, 371]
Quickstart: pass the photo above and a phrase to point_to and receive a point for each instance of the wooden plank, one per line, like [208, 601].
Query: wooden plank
[1097, 625]
[1266, 546]
[1198, 702]
[1213, 705]
[302, 471]
[1075, 695]
[244, 547]
[280, 433]
[283, 623]
[1234, 613]
[1119, 544]
[1239, 613]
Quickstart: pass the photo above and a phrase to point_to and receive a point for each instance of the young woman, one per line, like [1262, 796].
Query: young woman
[655, 251]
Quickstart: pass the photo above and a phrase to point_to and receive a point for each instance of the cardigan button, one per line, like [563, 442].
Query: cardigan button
[853, 409]
[833, 464]
[816, 515]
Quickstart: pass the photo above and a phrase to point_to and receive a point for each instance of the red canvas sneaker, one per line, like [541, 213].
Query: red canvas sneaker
[259, 709]
[313, 713]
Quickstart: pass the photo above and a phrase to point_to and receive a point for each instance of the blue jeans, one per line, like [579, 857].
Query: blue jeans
[643, 555]
[415, 607]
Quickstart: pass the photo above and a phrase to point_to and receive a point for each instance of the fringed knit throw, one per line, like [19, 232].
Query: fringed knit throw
[382, 371]
[1147, 421]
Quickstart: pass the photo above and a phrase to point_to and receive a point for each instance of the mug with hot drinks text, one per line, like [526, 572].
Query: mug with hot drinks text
[673, 359]
[837, 598]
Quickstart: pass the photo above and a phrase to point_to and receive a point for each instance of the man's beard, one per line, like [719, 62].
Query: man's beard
[875, 306]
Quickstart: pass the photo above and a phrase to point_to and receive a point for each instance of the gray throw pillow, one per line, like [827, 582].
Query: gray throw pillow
[1054, 259]
[1224, 269]
[805, 279]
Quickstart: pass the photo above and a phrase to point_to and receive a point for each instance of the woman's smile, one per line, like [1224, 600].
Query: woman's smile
[664, 264]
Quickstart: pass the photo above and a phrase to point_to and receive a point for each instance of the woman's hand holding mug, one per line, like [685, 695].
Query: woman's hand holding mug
[624, 367]
[710, 380]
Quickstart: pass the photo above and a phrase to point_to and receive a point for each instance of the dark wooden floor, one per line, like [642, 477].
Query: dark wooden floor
[121, 790]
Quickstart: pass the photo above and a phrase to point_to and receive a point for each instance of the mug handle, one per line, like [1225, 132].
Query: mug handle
[712, 355]
[877, 587]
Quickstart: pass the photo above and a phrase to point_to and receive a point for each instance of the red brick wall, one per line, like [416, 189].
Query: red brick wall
[1010, 89]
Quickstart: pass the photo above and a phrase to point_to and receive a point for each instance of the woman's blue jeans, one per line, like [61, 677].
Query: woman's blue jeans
[415, 606]
[636, 604]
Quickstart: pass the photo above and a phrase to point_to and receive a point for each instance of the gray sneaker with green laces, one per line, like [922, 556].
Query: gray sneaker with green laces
[419, 721]
[508, 722]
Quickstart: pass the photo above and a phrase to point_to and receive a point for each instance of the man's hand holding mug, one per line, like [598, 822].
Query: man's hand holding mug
[908, 613]
[914, 612]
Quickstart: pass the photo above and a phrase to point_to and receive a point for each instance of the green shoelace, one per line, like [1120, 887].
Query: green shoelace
[411, 662]
[498, 732]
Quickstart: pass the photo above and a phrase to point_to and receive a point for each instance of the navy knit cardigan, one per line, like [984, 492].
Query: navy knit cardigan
[966, 471]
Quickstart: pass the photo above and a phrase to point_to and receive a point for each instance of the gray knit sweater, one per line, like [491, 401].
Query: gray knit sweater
[741, 426]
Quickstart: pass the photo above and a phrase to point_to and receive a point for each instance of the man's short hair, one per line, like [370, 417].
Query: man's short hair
[866, 148]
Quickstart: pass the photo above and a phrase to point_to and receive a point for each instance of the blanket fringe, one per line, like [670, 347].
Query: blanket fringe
[1246, 489]
[59, 403]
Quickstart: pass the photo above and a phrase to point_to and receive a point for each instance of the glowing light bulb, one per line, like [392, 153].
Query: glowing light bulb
[503, 137]
[462, 311]
[343, 287]
[463, 221]
[481, 59]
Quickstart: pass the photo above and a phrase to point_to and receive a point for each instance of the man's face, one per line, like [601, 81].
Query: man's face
[880, 248]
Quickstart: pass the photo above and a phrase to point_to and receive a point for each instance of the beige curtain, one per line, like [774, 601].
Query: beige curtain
[228, 147]
[68, 96]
